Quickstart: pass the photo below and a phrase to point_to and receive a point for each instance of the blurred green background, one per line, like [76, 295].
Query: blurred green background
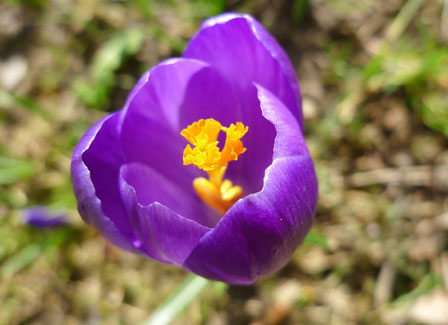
[374, 79]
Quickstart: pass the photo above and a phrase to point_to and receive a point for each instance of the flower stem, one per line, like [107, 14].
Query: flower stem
[178, 300]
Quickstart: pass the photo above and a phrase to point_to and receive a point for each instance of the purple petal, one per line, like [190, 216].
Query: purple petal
[40, 217]
[260, 232]
[94, 170]
[209, 95]
[150, 130]
[249, 170]
[166, 236]
[151, 186]
[159, 93]
[244, 52]
[289, 140]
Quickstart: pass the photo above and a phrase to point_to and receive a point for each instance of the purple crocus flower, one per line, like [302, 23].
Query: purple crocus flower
[40, 217]
[159, 178]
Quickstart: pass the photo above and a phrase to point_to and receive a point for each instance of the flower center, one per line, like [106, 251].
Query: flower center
[215, 191]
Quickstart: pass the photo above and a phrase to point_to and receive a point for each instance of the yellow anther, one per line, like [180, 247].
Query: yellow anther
[219, 198]
[218, 193]
[230, 192]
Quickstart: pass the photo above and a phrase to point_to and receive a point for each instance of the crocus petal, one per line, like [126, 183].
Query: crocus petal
[209, 95]
[248, 172]
[166, 236]
[261, 231]
[94, 170]
[244, 52]
[289, 141]
[150, 120]
[151, 186]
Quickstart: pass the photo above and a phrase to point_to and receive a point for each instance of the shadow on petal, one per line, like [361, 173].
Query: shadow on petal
[165, 235]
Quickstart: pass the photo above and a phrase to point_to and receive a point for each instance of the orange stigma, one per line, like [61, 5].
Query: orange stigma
[215, 191]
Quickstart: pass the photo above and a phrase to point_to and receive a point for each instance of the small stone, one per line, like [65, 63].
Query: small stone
[12, 71]
[431, 308]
